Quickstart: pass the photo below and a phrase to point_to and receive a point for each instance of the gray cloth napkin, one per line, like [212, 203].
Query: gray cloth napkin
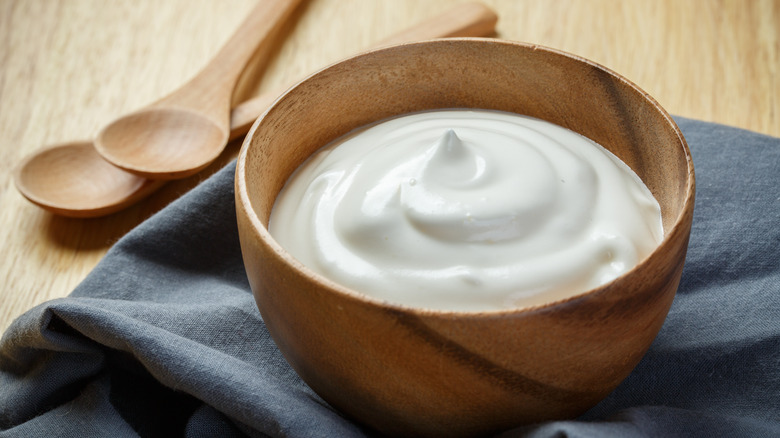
[163, 338]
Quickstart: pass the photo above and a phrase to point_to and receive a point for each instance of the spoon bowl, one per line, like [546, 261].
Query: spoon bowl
[140, 142]
[108, 189]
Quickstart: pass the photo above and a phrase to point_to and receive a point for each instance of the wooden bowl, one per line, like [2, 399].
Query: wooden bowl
[411, 371]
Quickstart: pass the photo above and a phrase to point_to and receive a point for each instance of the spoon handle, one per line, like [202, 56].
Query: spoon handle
[211, 89]
[464, 20]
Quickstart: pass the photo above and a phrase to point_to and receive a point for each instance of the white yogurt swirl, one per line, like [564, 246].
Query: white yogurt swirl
[466, 210]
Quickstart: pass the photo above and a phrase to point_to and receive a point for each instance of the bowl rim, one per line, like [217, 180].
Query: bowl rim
[262, 233]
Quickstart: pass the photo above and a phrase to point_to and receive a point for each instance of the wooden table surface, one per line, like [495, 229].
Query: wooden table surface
[68, 67]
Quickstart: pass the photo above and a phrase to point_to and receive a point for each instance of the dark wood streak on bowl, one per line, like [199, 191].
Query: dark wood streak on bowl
[502, 377]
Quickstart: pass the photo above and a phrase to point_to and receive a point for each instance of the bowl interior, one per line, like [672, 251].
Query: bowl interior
[470, 73]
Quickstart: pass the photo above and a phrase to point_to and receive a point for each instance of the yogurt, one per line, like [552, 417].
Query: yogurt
[466, 210]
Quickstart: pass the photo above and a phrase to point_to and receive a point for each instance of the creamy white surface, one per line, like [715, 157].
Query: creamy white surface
[466, 210]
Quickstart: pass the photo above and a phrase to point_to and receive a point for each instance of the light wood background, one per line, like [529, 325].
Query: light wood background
[69, 66]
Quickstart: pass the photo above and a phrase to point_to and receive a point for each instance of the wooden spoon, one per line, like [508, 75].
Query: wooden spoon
[185, 131]
[73, 180]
